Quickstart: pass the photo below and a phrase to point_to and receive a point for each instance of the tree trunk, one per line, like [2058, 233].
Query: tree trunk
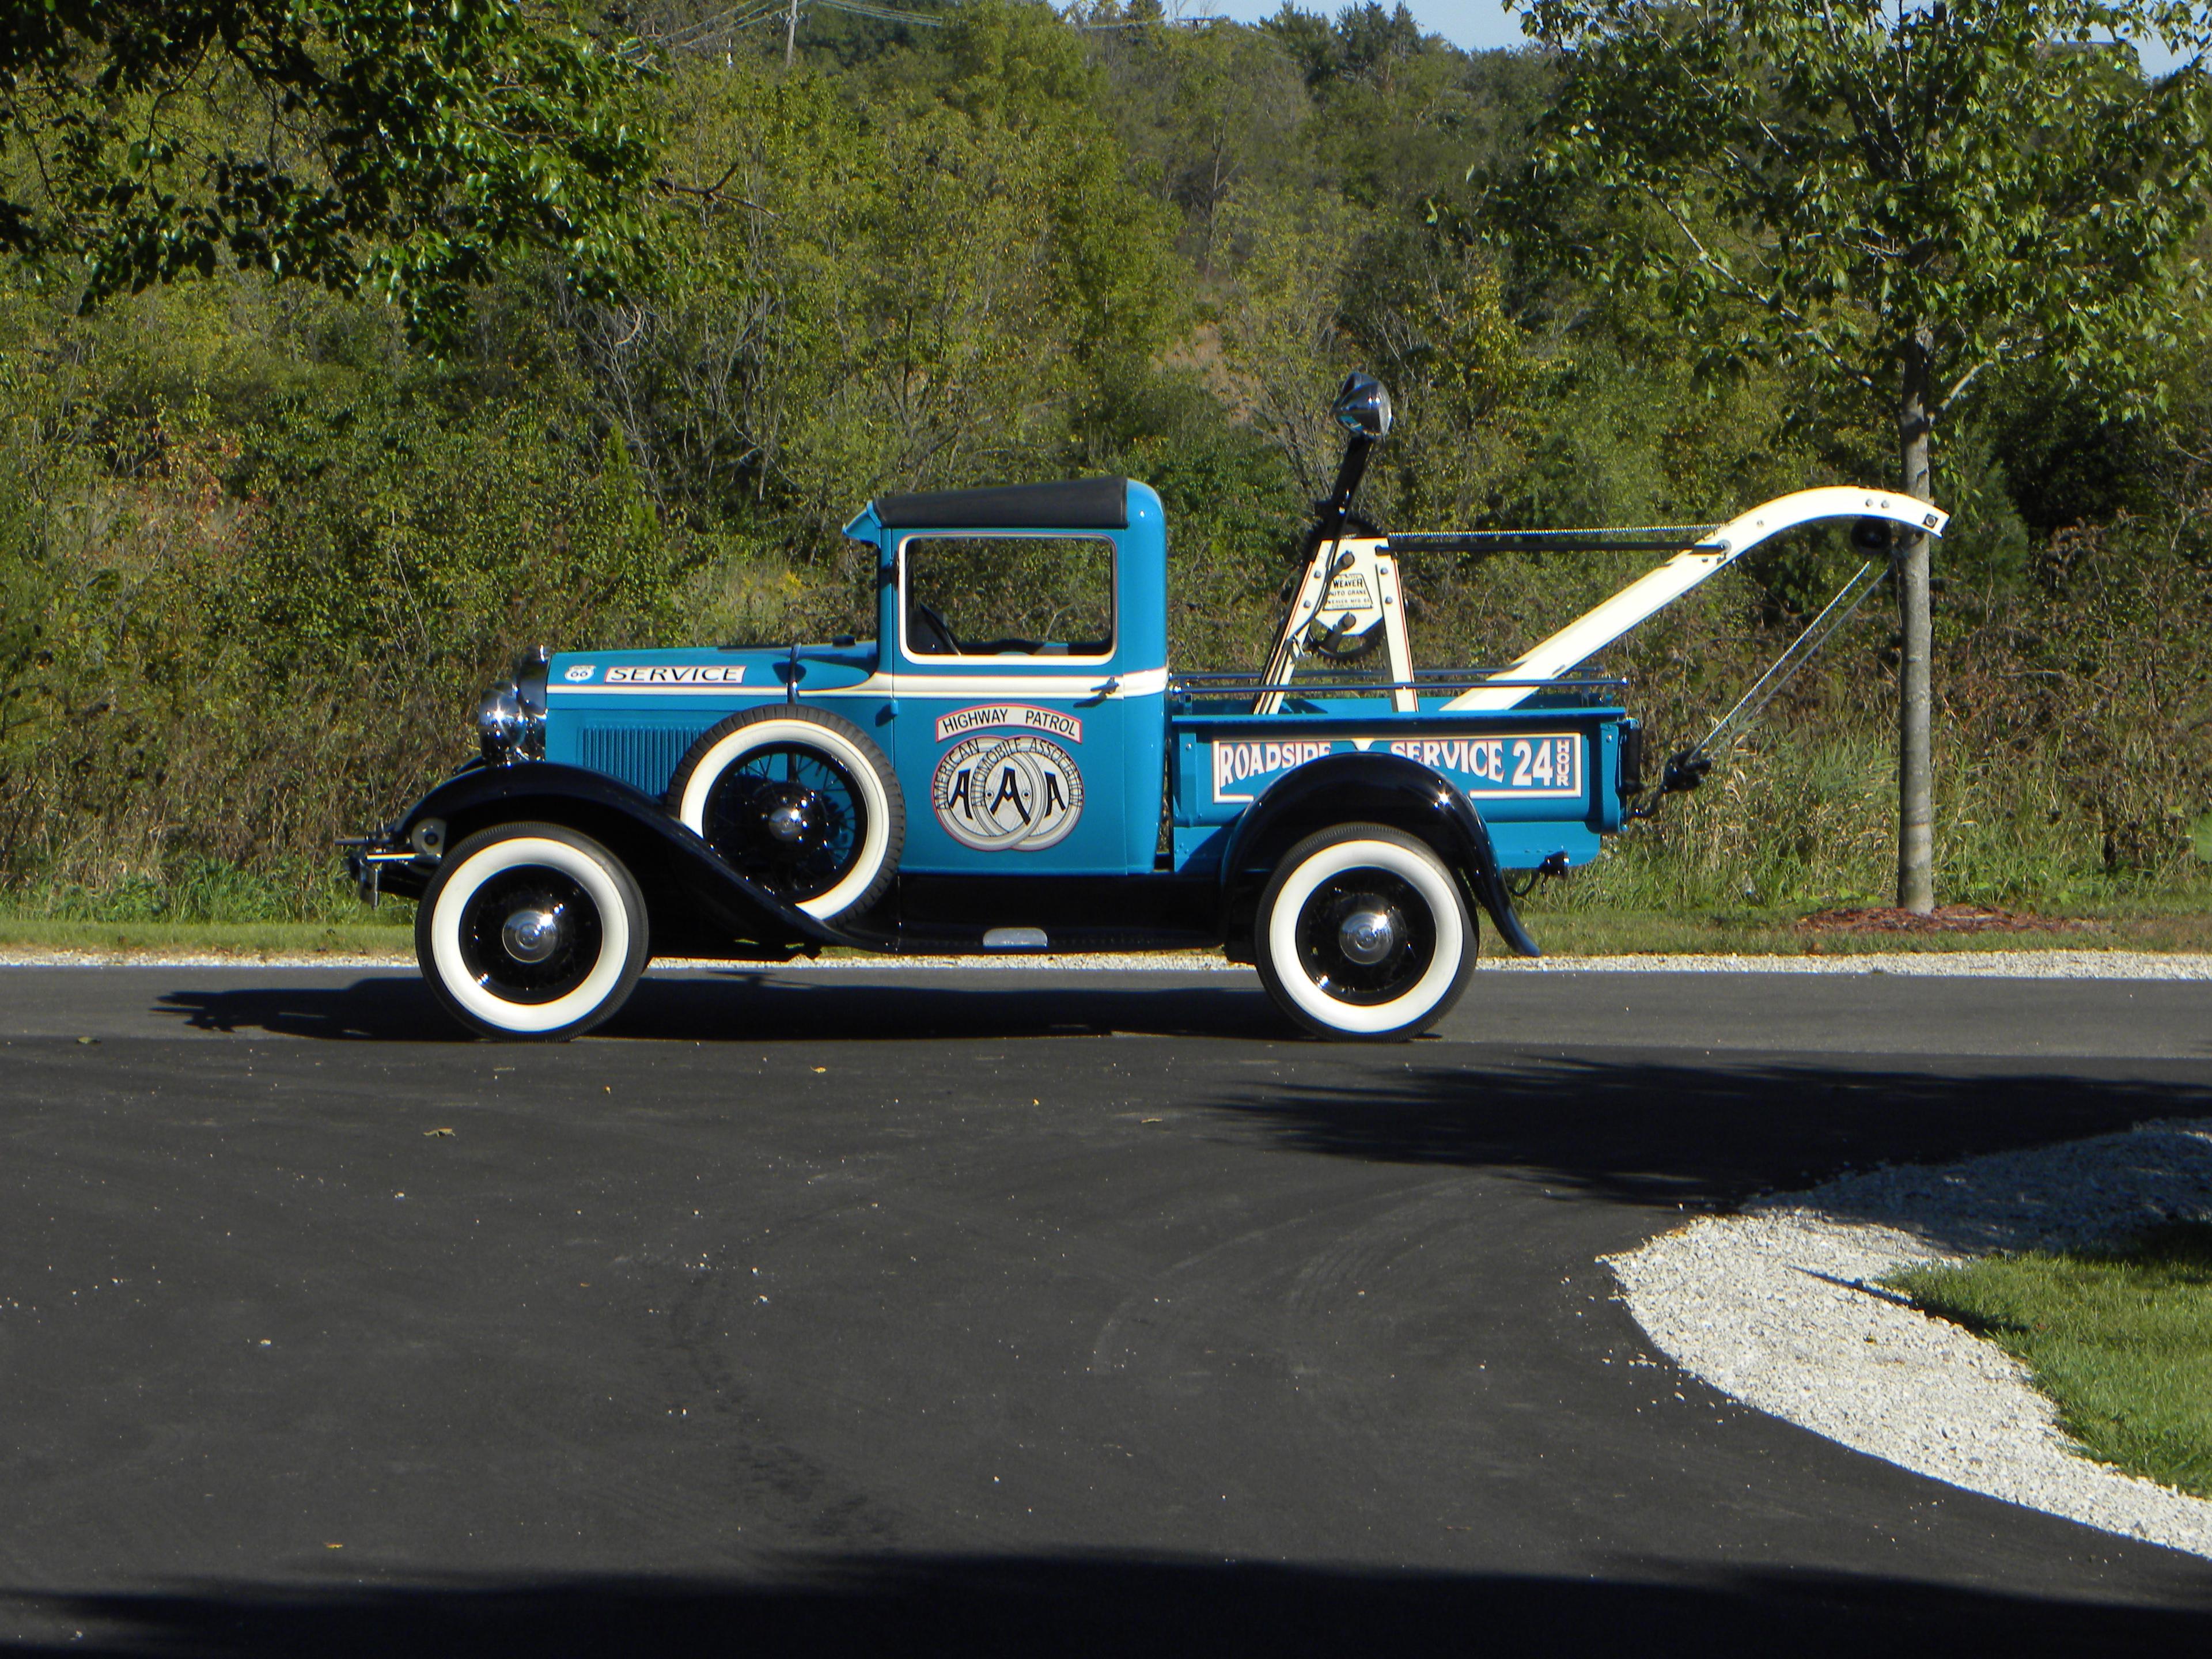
[1915, 774]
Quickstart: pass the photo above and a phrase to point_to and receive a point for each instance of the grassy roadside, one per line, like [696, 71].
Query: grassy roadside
[1577, 933]
[2122, 1342]
[248, 941]
[1636, 932]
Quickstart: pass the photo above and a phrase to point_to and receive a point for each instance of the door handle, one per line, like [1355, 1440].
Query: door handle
[1100, 693]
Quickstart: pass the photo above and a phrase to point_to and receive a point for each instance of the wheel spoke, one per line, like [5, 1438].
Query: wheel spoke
[827, 801]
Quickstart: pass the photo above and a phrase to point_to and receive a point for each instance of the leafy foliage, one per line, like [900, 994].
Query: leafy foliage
[1974, 183]
[263, 542]
[377, 145]
[1900, 197]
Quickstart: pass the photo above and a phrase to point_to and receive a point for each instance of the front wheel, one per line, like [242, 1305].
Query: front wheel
[1362, 932]
[531, 930]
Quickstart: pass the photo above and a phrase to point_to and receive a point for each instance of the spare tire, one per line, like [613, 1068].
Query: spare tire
[801, 802]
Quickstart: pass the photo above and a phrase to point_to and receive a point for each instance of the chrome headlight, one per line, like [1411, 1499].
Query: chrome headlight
[502, 726]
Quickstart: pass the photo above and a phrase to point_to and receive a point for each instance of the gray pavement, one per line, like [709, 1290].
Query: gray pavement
[1074, 1313]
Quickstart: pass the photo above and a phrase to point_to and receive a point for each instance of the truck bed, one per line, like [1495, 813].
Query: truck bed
[1547, 779]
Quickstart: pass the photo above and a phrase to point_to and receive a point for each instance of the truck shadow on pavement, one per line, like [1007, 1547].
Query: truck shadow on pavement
[1654, 1131]
[1066, 1606]
[748, 1005]
[1657, 1133]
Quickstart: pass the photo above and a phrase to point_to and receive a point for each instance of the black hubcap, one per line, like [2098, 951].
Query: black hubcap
[789, 817]
[530, 934]
[1366, 936]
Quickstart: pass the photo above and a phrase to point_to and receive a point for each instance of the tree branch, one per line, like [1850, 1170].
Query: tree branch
[1966, 379]
[1805, 328]
[714, 193]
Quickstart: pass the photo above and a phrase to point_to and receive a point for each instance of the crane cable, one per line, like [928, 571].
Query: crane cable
[1687, 768]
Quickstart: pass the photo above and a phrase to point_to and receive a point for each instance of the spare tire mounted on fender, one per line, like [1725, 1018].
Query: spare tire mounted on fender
[797, 799]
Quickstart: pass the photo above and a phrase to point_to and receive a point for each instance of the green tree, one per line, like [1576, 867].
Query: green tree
[1901, 196]
[1425, 310]
[934, 291]
[1206, 112]
[378, 145]
[1282, 338]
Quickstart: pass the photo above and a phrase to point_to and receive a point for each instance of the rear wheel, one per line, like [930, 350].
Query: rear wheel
[1362, 932]
[531, 930]
[801, 802]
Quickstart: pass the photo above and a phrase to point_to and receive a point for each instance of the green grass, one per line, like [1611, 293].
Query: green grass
[2122, 1342]
[391, 936]
[2185, 925]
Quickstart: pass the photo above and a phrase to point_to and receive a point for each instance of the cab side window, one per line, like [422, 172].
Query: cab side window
[994, 596]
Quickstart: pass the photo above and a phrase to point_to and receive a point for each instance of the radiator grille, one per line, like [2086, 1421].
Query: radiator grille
[643, 756]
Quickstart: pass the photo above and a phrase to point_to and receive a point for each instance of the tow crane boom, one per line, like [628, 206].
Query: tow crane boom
[1594, 630]
[1349, 600]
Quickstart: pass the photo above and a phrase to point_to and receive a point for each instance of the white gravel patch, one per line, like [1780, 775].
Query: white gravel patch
[1778, 1307]
[17, 957]
[1985, 964]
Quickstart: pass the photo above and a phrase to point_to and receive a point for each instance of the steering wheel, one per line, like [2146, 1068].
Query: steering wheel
[928, 636]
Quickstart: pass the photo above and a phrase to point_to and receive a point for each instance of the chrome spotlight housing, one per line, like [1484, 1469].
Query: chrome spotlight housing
[502, 726]
[1363, 407]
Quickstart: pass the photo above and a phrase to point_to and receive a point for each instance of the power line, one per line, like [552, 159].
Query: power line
[723, 24]
[863, 8]
[858, 8]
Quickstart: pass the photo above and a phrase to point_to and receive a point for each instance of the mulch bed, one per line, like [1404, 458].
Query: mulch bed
[1946, 919]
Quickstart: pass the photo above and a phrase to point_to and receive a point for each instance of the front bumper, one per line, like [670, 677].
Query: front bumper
[695, 895]
[382, 863]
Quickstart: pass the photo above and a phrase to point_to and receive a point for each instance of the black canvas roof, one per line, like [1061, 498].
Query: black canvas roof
[1078, 504]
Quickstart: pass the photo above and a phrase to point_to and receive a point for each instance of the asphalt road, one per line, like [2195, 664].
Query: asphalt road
[1072, 1313]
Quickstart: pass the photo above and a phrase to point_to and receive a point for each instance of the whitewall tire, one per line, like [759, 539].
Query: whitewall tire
[531, 930]
[799, 801]
[1362, 933]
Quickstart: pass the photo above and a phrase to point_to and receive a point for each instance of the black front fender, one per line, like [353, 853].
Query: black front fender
[1364, 787]
[690, 890]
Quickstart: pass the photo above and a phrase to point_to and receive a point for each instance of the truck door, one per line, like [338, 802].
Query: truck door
[1012, 738]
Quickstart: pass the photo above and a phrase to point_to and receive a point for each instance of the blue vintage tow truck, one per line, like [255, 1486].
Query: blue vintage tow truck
[1012, 765]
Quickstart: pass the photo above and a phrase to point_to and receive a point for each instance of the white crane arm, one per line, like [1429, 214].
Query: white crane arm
[1594, 630]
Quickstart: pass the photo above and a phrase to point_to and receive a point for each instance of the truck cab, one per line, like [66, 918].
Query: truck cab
[1012, 764]
[1024, 635]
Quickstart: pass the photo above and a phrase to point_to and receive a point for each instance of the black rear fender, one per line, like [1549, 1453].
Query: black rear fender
[692, 896]
[1365, 788]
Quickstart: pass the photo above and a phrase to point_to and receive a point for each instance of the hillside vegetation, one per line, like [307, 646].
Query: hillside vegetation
[262, 542]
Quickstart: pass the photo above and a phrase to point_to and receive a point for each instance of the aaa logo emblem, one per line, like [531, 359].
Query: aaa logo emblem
[1001, 794]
